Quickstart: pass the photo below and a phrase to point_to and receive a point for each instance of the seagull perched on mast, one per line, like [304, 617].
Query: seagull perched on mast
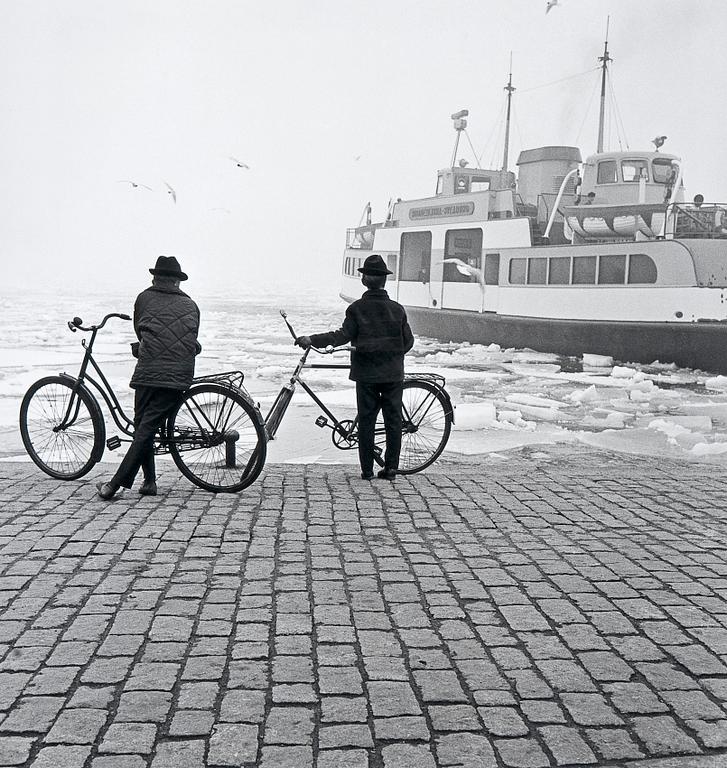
[170, 191]
[551, 4]
[658, 141]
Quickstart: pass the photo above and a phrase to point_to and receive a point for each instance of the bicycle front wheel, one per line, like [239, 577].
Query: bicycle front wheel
[62, 431]
[426, 424]
[217, 439]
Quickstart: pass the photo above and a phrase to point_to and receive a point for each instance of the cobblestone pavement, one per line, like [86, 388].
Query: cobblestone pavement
[562, 612]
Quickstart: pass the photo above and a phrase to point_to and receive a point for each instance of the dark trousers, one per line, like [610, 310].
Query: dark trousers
[370, 398]
[151, 408]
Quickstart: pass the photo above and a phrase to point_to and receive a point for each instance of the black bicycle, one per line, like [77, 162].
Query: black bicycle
[427, 414]
[216, 436]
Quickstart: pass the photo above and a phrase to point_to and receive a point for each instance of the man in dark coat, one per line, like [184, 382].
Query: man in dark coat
[377, 328]
[166, 322]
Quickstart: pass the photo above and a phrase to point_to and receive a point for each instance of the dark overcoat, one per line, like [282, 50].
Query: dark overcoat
[378, 329]
[166, 322]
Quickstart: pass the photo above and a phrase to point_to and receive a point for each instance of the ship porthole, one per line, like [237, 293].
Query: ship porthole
[434, 302]
[679, 314]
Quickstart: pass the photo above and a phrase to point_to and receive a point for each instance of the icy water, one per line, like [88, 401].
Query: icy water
[505, 399]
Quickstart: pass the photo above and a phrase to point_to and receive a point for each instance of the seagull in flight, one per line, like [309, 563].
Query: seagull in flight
[239, 163]
[134, 184]
[551, 4]
[466, 269]
[658, 141]
[170, 191]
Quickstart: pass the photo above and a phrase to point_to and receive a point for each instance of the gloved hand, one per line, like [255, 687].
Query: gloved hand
[303, 341]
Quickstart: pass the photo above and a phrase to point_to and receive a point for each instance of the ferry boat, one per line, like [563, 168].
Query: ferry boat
[571, 257]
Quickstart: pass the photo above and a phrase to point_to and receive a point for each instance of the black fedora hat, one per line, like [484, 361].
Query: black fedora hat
[374, 265]
[168, 266]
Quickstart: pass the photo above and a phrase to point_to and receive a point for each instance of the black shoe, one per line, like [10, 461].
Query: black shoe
[367, 475]
[148, 488]
[107, 491]
[386, 474]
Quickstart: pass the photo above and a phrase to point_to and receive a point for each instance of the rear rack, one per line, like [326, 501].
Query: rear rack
[232, 379]
[432, 378]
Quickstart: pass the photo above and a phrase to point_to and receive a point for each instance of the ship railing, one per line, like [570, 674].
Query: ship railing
[706, 221]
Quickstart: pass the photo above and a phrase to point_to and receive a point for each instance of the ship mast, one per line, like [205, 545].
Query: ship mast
[604, 66]
[509, 88]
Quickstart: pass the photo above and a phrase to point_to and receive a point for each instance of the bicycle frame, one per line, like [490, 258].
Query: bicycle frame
[122, 421]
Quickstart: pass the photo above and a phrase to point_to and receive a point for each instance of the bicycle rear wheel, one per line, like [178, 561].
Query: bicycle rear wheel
[217, 439]
[426, 424]
[62, 432]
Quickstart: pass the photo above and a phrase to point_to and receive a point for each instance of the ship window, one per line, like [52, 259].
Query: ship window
[391, 263]
[479, 184]
[416, 256]
[633, 170]
[611, 270]
[537, 269]
[607, 172]
[440, 185]
[347, 266]
[518, 268]
[584, 270]
[559, 273]
[465, 245]
[461, 184]
[492, 269]
[641, 268]
[662, 170]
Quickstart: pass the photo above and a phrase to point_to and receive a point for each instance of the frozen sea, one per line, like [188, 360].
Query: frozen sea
[505, 399]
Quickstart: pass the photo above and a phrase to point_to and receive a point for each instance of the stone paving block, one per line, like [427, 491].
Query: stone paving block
[567, 746]
[392, 698]
[76, 726]
[286, 757]
[454, 717]
[179, 754]
[288, 725]
[663, 736]
[465, 750]
[62, 757]
[407, 728]
[521, 753]
[32, 714]
[407, 756]
[233, 745]
[242, 706]
[119, 761]
[129, 738]
[15, 750]
[712, 734]
[343, 758]
[348, 735]
[343, 709]
[191, 723]
[439, 685]
[614, 744]
[144, 706]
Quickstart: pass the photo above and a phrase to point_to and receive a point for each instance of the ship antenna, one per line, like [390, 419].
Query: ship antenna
[604, 66]
[510, 89]
[459, 125]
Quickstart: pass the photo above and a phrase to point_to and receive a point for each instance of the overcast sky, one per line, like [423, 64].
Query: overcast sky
[330, 102]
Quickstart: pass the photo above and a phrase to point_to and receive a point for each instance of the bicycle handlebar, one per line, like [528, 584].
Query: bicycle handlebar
[77, 324]
[327, 351]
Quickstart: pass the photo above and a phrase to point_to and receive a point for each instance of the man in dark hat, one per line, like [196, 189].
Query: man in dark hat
[166, 322]
[377, 328]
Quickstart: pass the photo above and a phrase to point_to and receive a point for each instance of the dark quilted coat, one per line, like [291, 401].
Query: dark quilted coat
[378, 329]
[166, 322]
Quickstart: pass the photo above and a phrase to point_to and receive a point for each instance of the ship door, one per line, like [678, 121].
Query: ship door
[491, 293]
[415, 270]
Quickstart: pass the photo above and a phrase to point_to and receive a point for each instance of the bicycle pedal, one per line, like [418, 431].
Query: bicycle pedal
[321, 421]
[113, 443]
[377, 450]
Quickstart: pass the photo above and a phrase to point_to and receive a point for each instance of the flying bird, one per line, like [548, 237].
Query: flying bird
[134, 184]
[170, 191]
[239, 163]
[658, 141]
[551, 4]
[466, 269]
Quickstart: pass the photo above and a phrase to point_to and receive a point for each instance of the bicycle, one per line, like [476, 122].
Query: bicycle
[427, 414]
[216, 435]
